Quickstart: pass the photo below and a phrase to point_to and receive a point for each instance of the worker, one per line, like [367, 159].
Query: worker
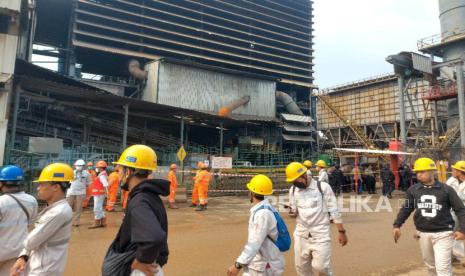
[387, 177]
[312, 239]
[77, 191]
[45, 248]
[113, 185]
[368, 178]
[458, 174]
[203, 181]
[195, 187]
[173, 185]
[93, 176]
[261, 256]
[99, 192]
[321, 168]
[18, 210]
[142, 237]
[432, 202]
[309, 165]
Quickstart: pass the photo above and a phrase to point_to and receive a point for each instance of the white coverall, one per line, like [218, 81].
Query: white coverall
[13, 227]
[77, 192]
[458, 250]
[47, 244]
[261, 257]
[100, 199]
[312, 239]
[323, 176]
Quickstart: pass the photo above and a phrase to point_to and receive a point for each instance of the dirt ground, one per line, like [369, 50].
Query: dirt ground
[208, 243]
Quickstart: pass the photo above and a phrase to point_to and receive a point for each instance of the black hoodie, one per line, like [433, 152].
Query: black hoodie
[145, 226]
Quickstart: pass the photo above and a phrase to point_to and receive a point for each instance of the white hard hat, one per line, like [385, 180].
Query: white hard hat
[80, 162]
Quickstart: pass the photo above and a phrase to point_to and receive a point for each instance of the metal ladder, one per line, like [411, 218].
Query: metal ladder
[452, 134]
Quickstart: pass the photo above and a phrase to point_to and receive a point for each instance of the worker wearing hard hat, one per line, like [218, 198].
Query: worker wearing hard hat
[309, 165]
[321, 168]
[142, 237]
[18, 209]
[77, 191]
[46, 246]
[93, 176]
[99, 192]
[432, 202]
[260, 255]
[312, 239]
[113, 185]
[458, 184]
[195, 187]
[173, 186]
[203, 181]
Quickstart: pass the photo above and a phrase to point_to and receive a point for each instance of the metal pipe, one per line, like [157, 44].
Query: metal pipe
[15, 117]
[403, 128]
[136, 71]
[125, 126]
[229, 108]
[221, 138]
[461, 105]
[181, 146]
[288, 103]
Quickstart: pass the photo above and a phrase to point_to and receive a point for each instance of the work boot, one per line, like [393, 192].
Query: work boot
[201, 208]
[193, 205]
[172, 206]
[97, 224]
[206, 205]
[104, 222]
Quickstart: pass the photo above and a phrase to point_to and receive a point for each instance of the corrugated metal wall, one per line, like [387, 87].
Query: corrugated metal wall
[374, 104]
[203, 90]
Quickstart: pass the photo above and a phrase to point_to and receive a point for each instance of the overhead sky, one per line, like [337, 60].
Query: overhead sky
[354, 37]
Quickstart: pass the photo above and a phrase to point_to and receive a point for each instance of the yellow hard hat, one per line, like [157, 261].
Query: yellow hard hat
[261, 185]
[56, 172]
[138, 157]
[308, 163]
[321, 163]
[424, 164]
[294, 171]
[460, 165]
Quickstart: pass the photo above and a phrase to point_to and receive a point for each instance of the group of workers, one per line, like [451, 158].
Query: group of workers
[141, 248]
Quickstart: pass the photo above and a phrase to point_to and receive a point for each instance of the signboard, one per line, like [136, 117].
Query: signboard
[222, 162]
[182, 154]
[45, 145]
[422, 63]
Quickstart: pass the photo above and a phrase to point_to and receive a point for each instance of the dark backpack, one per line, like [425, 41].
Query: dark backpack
[283, 242]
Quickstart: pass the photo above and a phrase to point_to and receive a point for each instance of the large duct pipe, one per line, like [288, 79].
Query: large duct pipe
[452, 17]
[229, 108]
[136, 71]
[288, 103]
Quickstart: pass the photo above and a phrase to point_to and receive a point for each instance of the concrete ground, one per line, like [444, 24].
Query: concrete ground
[208, 243]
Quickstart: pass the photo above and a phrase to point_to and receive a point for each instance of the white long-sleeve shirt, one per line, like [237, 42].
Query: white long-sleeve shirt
[47, 244]
[260, 251]
[81, 180]
[323, 176]
[103, 177]
[312, 217]
[13, 223]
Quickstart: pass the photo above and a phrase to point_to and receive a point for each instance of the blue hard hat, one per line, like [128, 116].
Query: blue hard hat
[11, 173]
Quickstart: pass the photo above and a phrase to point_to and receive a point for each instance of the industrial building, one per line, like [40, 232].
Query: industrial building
[229, 78]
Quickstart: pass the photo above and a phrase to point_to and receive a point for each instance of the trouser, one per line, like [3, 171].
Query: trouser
[436, 249]
[124, 198]
[458, 250]
[112, 195]
[172, 196]
[312, 256]
[5, 266]
[267, 272]
[88, 196]
[388, 188]
[98, 206]
[203, 194]
[75, 201]
[140, 273]
[195, 194]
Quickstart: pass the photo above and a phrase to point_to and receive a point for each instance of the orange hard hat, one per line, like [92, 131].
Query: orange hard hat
[101, 164]
[90, 164]
[199, 164]
[173, 167]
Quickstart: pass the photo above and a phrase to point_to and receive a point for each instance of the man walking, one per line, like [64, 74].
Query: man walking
[93, 176]
[203, 181]
[17, 210]
[432, 202]
[141, 243]
[45, 248]
[321, 168]
[310, 203]
[77, 192]
[309, 165]
[387, 177]
[458, 184]
[261, 256]
[113, 185]
[173, 186]
[99, 192]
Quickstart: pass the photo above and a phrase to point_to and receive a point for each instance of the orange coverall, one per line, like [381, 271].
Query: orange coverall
[195, 189]
[113, 181]
[202, 182]
[93, 175]
[173, 185]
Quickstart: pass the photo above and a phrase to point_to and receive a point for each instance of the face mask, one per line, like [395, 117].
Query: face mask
[79, 168]
[125, 182]
[97, 170]
[251, 197]
[300, 185]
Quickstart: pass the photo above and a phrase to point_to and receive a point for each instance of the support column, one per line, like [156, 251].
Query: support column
[17, 92]
[403, 128]
[461, 105]
[125, 126]
[221, 138]
[4, 103]
[181, 143]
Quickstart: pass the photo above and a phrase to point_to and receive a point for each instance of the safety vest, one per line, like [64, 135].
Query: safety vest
[203, 178]
[97, 186]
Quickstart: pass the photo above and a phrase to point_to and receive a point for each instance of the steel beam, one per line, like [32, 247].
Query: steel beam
[461, 105]
[125, 126]
[403, 127]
